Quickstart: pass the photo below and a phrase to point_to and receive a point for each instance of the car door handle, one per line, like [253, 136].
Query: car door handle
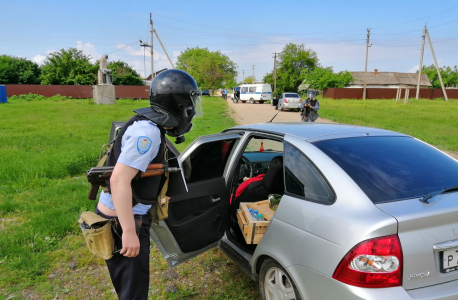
[214, 199]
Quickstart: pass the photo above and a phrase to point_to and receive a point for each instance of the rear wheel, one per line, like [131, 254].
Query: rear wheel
[251, 100]
[235, 100]
[275, 283]
[243, 101]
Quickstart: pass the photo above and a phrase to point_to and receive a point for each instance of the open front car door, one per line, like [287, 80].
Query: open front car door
[196, 220]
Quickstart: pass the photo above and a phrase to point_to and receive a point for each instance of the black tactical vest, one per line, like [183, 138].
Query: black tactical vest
[144, 190]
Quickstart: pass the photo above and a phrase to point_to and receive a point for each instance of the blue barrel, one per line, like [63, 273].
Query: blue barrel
[3, 98]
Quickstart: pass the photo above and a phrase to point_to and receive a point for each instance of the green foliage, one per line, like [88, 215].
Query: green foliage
[123, 74]
[295, 61]
[321, 78]
[69, 67]
[248, 79]
[449, 76]
[211, 70]
[18, 70]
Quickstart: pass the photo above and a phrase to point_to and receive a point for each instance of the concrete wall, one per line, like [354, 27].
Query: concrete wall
[75, 91]
[386, 93]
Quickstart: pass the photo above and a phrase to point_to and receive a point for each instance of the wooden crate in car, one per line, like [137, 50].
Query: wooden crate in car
[254, 230]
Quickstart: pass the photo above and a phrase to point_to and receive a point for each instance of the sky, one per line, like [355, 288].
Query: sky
[248, 32]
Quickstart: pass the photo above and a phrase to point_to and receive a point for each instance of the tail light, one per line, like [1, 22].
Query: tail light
[300, 100]
[375, 263]
[285, 101]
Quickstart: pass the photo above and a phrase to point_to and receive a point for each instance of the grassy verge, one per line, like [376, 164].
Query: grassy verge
[433, 121]
[46, 145]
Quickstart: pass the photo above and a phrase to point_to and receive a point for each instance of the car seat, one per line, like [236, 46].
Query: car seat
[272, 183]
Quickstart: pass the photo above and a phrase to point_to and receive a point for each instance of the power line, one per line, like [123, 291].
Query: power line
[270, 33]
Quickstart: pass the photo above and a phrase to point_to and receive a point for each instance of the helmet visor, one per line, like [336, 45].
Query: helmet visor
[197, 103]
[311, 95]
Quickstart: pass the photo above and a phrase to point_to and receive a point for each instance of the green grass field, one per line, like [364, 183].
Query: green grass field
[434, 121]
[46, 145]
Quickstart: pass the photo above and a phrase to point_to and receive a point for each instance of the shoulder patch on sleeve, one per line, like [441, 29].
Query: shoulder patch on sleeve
[143, 144]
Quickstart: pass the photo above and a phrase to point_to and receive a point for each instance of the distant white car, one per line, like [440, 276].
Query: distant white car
[289, 101]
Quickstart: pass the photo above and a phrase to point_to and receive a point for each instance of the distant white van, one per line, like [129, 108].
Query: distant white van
[258, 92]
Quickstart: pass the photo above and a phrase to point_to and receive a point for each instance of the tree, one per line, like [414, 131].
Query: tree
[449, 76]
[70, 67]
[123, 74]
[321, 78]
[248, 79]
[295, 61]
[18, 70]
[211, 70]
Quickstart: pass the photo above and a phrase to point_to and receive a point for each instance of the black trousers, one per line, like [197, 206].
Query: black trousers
[130, 275]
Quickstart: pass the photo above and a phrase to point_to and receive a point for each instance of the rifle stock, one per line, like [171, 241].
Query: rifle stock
[97, 176]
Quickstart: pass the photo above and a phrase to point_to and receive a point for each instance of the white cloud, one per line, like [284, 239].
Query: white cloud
[88, 49]
[414, 69]
[39, 59]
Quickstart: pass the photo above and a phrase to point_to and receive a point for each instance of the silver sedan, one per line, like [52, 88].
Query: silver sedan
[364, 213]
[289, 101]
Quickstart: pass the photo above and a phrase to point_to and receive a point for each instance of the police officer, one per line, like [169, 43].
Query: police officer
[309, 108]
[175, 100]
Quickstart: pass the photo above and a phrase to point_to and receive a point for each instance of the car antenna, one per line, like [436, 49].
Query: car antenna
[273, 117]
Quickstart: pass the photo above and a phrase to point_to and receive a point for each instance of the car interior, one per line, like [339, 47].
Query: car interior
[201, 216]
[262, 156]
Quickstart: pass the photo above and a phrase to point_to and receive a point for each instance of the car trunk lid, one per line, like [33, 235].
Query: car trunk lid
[429, 239]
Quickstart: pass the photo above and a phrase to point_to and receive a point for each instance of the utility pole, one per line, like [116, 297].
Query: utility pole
[145, 45]
[437, 66]
[253, 73]
[243, 76]
[367, 55]
[275, 72]
[151, 36]
[421, 62]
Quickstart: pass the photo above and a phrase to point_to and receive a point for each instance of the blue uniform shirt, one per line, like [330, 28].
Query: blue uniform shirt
[139, 146]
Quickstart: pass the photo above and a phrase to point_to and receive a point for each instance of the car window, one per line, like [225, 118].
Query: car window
[208, 160]
[260, 151]
[244, 89]
[303, 179]
[291, 95]
[392, 168]
[252, 89]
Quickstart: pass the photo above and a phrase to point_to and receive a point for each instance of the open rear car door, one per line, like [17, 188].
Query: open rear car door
[197, 218]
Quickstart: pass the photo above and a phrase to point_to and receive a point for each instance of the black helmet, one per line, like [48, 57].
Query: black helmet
[311, 95]
[175, 100]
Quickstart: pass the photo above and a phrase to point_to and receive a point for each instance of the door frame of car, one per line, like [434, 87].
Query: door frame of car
[161, 233]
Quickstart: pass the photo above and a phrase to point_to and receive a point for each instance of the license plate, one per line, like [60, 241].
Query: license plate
[449, 261]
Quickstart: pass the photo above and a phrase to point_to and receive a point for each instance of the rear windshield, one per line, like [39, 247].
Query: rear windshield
[392, 168]
[291, 96]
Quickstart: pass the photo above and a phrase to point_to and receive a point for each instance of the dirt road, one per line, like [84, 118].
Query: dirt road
[247, 113]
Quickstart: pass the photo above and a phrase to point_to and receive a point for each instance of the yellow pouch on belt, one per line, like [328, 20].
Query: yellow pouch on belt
[97, 234]
[160, 210]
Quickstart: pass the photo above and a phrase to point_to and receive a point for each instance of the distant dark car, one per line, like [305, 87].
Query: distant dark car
[205, 93]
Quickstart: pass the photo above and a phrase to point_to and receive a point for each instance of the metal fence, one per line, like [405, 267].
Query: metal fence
[386, 93]
[75, 91]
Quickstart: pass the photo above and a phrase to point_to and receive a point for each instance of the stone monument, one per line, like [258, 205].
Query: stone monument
[104, 91]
